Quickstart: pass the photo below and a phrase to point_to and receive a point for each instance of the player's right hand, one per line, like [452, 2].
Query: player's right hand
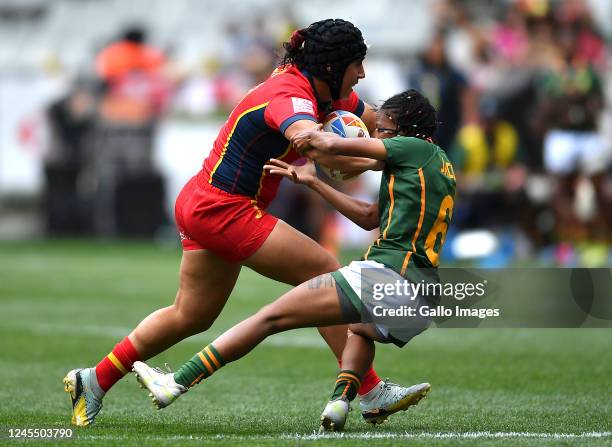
[313, 140]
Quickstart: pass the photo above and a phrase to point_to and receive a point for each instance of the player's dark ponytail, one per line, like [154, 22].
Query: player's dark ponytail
[293, 47]
[297, 39]
[412, 113]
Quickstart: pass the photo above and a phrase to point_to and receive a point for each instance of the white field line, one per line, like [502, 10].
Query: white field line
[307, 338]
[368, 435]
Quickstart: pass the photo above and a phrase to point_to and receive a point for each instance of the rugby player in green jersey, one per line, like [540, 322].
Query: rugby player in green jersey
[413, 212]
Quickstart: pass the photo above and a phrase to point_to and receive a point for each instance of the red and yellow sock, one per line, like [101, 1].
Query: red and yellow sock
[347, 385]
[116, 364]
[201, 366]
[369, 380]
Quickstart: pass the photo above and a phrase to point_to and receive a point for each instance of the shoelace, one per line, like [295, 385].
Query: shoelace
[388, 385]
[161, 371]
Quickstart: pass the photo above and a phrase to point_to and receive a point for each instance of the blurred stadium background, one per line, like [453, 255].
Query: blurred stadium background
[97, 135]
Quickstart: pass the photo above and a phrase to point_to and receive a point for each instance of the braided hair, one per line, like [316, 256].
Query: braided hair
[412, 113]
[325, 49]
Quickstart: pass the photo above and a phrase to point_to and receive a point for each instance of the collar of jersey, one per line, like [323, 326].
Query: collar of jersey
[324, 106]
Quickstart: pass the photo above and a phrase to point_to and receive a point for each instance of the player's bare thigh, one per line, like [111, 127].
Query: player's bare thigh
[308, 305]
[205, 283]
[291, 257]
[311, 304]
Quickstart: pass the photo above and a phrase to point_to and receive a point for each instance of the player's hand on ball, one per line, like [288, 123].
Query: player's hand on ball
[301, 140]
[304, 174]
[313, 140]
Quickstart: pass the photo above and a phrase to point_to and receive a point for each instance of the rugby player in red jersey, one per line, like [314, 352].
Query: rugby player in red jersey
[414, 210]
[221, 212]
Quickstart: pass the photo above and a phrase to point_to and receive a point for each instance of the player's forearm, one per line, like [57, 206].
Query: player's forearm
[348, 164]
[362, 213]
[371, 148]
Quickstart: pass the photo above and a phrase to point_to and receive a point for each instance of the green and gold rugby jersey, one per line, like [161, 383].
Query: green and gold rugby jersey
[415, 205]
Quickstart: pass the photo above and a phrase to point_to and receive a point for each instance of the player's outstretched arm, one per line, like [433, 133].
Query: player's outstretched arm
[314, 144]
[362, 213]
[350, 165]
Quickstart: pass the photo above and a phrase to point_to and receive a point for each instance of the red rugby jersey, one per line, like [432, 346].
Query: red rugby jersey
[254, 131]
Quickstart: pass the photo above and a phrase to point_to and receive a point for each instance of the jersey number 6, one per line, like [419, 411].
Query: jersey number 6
[437, 235]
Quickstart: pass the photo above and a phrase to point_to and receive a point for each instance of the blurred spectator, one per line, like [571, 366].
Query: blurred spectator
[503, 68]
[70, 121]
[133, 72]
[572, 101]
[130, 192]
[574, 17]
[490, 177]
[130, 53]
[446, 88]
[509, 38]
[258, 57]
[489, 144]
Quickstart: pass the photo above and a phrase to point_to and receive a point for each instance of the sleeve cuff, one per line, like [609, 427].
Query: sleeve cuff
[292, 119]
[387, 143]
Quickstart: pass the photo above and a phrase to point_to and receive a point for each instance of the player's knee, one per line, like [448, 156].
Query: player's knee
[328, 263]
[331, 264]
[273, 320]
[355, 329]
[191, 323]
[367, 331]
[324, 263]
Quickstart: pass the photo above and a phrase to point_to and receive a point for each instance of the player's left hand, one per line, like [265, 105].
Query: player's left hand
[305, 174]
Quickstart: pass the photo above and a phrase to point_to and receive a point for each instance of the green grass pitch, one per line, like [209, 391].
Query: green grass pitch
[65, 304]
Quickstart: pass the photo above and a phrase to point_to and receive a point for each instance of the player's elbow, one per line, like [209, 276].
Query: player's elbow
[370, 225]
[369, 219]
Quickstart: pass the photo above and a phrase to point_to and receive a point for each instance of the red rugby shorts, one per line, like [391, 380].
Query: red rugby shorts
[230, 225]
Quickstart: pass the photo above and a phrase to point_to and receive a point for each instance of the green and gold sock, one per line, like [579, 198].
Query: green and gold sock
[347, 385]
[201, 366]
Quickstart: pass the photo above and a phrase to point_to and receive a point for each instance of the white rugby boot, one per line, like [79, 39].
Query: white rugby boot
[163, 390]
[387, 398]
[334, 415]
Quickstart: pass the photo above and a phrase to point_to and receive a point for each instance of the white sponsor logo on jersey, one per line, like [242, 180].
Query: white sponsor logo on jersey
[302, 105]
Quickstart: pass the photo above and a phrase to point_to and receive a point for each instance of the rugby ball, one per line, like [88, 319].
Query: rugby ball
[346, 125]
